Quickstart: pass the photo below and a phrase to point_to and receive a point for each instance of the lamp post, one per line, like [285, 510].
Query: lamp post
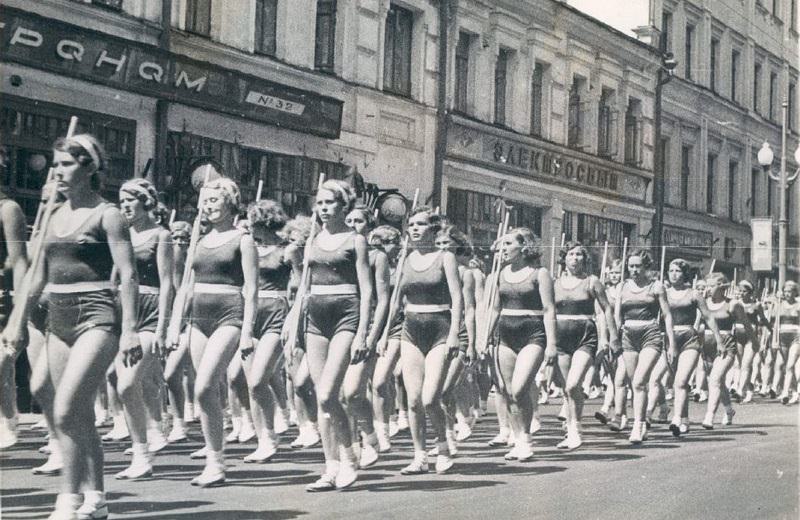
[663, 76]
[765, 158]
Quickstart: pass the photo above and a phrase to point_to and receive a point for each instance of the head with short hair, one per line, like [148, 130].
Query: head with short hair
[229, 191]
[450, 238]
[87, 152]
[266, 214]
[361, 219]
[143, 190]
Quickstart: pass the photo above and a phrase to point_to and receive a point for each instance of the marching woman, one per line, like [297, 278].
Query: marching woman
[387, 239]
[138, 385]
[358, 406]
[579, 296]
[87, 237]
[338, 309]
[641, 300]
[524, 313]
[755, 312]
[13, 265]
[178, 366]
[727, 314]
[789, 337]
[225, 267]
[616, 381]
[685, 304]
[276, 261]
[433, 309]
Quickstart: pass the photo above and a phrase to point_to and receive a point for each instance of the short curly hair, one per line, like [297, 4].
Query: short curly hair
[368, 214]
[644, 255]
[531, 245]
[300, 227]
[460, 243]
[229, 189]
[143, 190]
[587, 256]
[383, 234]
[344, 194]
[268, 214]
[684, 266]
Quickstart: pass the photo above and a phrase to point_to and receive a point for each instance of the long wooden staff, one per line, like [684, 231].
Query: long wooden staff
[394, 299]
[658, 320]
[303, 289]
[43, 215]
[491, 298]
[618, 301]
[605, 360]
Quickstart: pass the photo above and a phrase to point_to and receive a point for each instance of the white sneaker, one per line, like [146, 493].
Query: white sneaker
[748, 396]
[66, 508]
[594, 393]
[394, 429]
[402, 421]
[308, 437]
[703, 396]
[464, 431]
[177, 434]
[443, 463]
[8, 432]
[188, 413]
[384, 443]
[246, 431]
[119, 432]
[156, 440]
[199, 454]
[137, 470]
[636, 433]
[452, 445]
[267, 448]
[212, 475]
[281, 422]
[572, 441]
[623, 422]
[369, 456]
[233, 436]
[501, 439]
[512, 454]
[794, 398]
[347, 475]
[47, 449]
[40, 425]
[417, 467]
[52, 466]
[536, 424]
[727, 418]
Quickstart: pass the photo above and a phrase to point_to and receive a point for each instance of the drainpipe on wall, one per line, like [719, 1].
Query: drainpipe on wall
[441, 105]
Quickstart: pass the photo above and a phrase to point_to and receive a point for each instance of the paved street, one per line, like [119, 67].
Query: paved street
[748, 470]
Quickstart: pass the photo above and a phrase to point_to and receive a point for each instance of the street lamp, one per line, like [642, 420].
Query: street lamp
[663, 76]
[765, 158]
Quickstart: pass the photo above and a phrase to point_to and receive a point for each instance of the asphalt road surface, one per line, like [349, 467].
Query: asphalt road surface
[746, 470]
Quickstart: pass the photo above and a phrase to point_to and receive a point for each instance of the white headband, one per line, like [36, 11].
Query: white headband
[87, 145]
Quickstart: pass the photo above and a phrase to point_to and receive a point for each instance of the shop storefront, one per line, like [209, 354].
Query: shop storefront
[549, 188]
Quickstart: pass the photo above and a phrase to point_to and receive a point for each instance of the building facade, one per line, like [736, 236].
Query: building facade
[550, 112]
[738, 63]
[249, 83]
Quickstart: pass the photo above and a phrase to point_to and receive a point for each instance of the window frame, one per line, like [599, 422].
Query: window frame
[461, 73]
[537, 99]
[501, 86]
[688, 50]
[686, 174]
[192, 20]
[736, 55]
[714, 64]
[397, 60]
[711, 170]
[325, 62]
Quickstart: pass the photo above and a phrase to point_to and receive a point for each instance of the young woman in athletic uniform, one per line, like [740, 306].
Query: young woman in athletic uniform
[755, 312]
[138, 385]
[338, 309]
[449, 238]
[700, 393]
[789, 337]
[13, 265]
[524, 313]
[297, 232]
[222, 313]
[354, 388]
[579, 296]
[431, 289]
[727, 314]
[387, 239]
[685, 304]
[276, 261]
[641, 301]
[86, 238]
[616, 381]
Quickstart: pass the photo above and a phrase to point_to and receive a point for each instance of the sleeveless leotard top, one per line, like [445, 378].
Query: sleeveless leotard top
[722, 314]
[521, 295]
[577, 300]
[146, 254]
[337, 267]
[82, 255]
[5, 275]
[426, 287]
[642, 305]
[683, 306]
[790, 314]
[220, 264]
[273, 272]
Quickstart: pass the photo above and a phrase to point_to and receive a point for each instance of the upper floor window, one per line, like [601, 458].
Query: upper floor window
[793, 15]
[606, 125]
[773, 91]
[576, 130]
[501, 86]
[397, 51]
[666, 31]
[633, 133]
[733, 173]
[754, 177]
[756, 85]
[711, 171]
[688, 50]
[198, 17]
[537, 99]
[776, 8]
[712, 79]
[266, 17]
[735, 55]
[686, 174]
[462, 71]
[791, 108]
[325, 37]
